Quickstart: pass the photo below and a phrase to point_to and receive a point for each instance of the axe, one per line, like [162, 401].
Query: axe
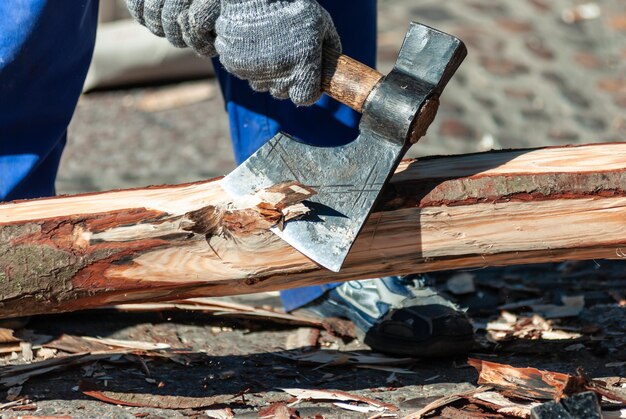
[397, 110]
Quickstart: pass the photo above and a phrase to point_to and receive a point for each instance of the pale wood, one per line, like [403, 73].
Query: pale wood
[497, 208]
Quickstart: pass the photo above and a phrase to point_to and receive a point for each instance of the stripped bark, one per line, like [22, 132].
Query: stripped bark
[168, 242]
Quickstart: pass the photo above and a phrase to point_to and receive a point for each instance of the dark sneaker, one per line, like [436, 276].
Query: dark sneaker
[399, 316]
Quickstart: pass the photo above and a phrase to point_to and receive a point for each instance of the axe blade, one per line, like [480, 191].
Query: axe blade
[349, 178]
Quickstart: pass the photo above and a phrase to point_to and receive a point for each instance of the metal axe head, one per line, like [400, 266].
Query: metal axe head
[349, 178]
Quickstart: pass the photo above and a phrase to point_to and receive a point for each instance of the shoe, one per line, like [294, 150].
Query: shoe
[399, 315]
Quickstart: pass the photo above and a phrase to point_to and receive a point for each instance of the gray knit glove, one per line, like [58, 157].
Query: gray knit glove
[276, 45]
[185, 23]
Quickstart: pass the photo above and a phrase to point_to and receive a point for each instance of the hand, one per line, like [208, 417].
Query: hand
[185, 23]
[276, 45]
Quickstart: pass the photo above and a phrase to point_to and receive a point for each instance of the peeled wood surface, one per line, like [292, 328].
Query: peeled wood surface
[161, 243]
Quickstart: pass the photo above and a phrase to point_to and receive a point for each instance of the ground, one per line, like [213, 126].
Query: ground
[537, 74]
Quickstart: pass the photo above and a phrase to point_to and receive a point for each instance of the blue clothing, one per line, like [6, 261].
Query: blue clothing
[45, 51]
[256, 117]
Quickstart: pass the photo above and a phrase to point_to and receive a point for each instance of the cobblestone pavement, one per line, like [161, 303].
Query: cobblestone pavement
[222, 358]
[534, 76]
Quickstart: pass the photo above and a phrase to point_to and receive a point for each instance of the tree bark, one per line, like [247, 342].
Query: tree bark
[169, 242]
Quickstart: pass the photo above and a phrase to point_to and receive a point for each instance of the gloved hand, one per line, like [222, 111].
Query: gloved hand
[276, 45]
[185, 23]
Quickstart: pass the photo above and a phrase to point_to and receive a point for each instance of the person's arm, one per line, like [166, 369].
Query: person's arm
[274, 44]
[184, 23]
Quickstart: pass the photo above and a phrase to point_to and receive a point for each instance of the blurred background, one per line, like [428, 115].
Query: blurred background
[539, 72]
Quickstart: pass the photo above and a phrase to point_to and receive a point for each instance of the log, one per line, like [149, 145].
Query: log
[168, 242]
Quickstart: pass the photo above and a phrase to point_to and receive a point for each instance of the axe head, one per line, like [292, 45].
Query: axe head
[349, 178]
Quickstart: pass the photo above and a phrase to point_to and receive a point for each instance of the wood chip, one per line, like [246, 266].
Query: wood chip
[535, 384]
[10, 405]
[325, 395]
[510, 327]
[444, 401]
[6, 336]
[560, 335]
[223, 308]
[225, 413]
[76, 345]
[9, 348]
[504, 405]
[14, 375]
[277, 411]
[383, 415]
[30, 407]
[46, 353]
[527, 382]
[469, 411]
[356, 408]
[27, 351]
[130, 344]
[151, 400]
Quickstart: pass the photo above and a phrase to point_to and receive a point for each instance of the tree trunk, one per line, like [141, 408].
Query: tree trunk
[168, 242]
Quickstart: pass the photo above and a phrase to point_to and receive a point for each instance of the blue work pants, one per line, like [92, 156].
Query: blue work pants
[45, 51]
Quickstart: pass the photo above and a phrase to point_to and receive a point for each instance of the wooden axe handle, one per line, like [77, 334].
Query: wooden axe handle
[347, 80]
